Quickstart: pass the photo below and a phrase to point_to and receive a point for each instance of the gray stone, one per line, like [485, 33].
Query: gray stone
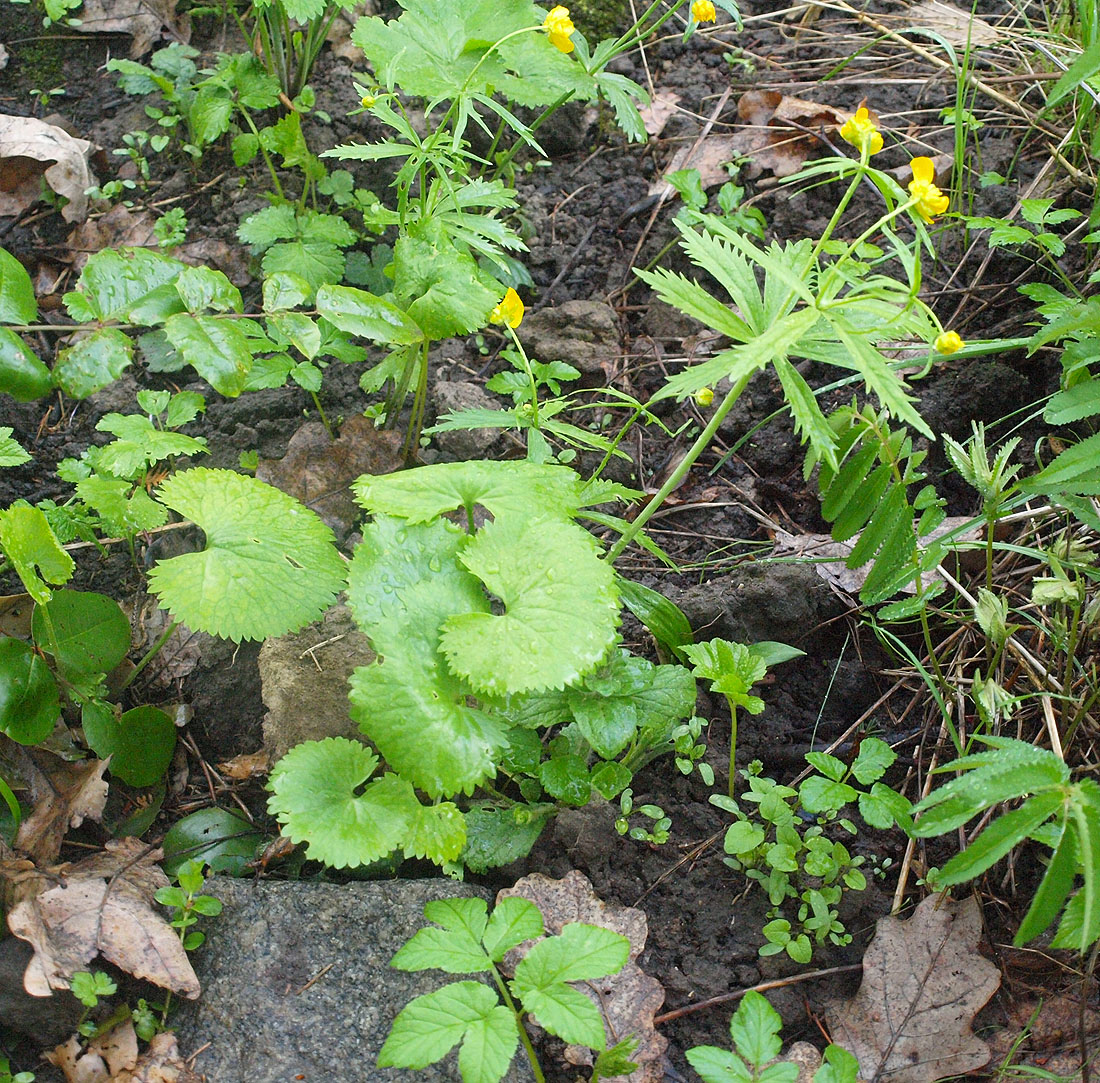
[304, 678]
[296, 981]
[452, 396]
[45, 1020]
[580, 333]
[787, 602]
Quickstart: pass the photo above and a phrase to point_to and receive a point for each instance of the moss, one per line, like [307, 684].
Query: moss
[40, 62]
[599, 19]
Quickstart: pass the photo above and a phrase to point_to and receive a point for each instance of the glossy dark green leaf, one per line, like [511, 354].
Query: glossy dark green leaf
[140, 743]
[22, 375]
[91, 631]
[29, 702]
[224, 840]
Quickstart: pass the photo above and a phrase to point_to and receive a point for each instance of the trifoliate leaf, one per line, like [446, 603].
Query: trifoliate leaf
[139, 444]
[561, 607]
[11, 452]
[28, 542]
[503, 488]
[437, 833]
[94, 362]
[430, 1026]
[269, 567]
[453, 944]
[319, 797]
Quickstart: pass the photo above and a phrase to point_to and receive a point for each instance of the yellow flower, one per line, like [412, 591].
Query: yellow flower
[859, 130]
[702, 11]
[560, 27]
[704, 396]
[948, 342]
[930, 200]
[509, 311]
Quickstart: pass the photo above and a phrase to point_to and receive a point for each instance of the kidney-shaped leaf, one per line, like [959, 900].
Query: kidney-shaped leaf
[269, 567]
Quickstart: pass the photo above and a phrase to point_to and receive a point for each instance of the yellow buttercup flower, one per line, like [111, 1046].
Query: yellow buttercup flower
[704, 396]
[509, 311]
[860, 129]
[560, 27]
[948, 342]
[702, 11]
[930, 200]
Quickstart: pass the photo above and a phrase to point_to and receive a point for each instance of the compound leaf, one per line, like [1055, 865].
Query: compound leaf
[453, 944]
[269, 567]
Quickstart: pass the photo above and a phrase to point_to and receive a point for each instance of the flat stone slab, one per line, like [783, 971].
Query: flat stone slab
[296, 982]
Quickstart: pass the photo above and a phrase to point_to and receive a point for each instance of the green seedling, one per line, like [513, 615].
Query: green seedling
[488, 1020]
[19, 1077]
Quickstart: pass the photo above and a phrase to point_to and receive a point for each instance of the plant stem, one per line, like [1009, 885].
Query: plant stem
[524, 1037]
[701, 443]
[150, 654]
[733, 745]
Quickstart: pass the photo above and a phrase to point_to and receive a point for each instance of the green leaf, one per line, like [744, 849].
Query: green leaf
[429, 1026]
[94, 363]
[269, 566]
[210, 113]
[830, 766]
[455, 947]
[17, 303]
[514, 920]
[116, 279]
[1081, 70]
[30, 544]
[285, 290]
[317, 262]
[360, 313]
[1076, 470]
[610, 779]
[715, 1065]
[731, 668]
[560, 607]
[217, 349]
[883, 807]
[140, 743]
[755, 1028]
[202, 288]
[662, 617]
[1078, 402]
[11, 452]
[29, 699]
[138, 445]
[1055, 887]
[437, 833]
[91, 631]
[318, 795]
[22, 375]
[124, 508]
[818, 794]
[496, 837]
[874, 758]
[220, 838]
[742, 837]
[566, 779]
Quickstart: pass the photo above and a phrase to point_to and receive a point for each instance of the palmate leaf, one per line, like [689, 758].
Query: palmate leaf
[317, 793]
[430, 1026]
[561, 607]
[269, 566]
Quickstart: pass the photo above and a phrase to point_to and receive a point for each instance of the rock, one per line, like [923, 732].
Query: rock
[761, 601]
[296, 982]
[45, 1020]
[580, 333]
[452, 396]
[304, 682]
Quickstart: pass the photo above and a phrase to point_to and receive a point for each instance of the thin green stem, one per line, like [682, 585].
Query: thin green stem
[702, 442]
[10, 800]
[517, 1014]
[733, 745]
[532, 382]
[150, 654]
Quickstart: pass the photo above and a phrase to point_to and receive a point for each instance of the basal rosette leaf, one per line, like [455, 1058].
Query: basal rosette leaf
[503, 488]
[560, 601]
[416, 715]
[269, 566]
[317, 798]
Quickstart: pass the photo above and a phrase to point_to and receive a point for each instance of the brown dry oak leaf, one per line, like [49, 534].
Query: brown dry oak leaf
[778, 130]
[31, 149]
[627, 1000]
[64, 795]
[923, 983]
[102, 905]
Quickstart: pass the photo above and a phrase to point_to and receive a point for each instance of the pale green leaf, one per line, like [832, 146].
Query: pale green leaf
[269, 566]
[95, 362]
[11, 452]
[454, 946]
[34, 551]
[437, 833]
[514, 920]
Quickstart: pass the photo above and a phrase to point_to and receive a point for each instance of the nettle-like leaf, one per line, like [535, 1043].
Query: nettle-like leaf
[732, 669]
[502, 488]
[123, 508]
[138, 444]
[319, 796]
[269, 566]
[12, 452]
[561, 607]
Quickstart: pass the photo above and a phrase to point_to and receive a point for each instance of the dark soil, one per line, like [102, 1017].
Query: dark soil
[586, 225]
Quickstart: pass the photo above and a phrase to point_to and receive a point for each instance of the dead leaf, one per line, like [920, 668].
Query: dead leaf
[953, 24]
[709, 156]
[779, 130]
[319, 470]
[30, 149]
[160, 1063]
[102, 905]
[246, 765]
[106, 1057]
[923, 983]
[627, 1000]
[64, 795]
[230, 259]
[119, 226]
[179, 654]
[15, 615]
[655, 115]
[144, 20]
